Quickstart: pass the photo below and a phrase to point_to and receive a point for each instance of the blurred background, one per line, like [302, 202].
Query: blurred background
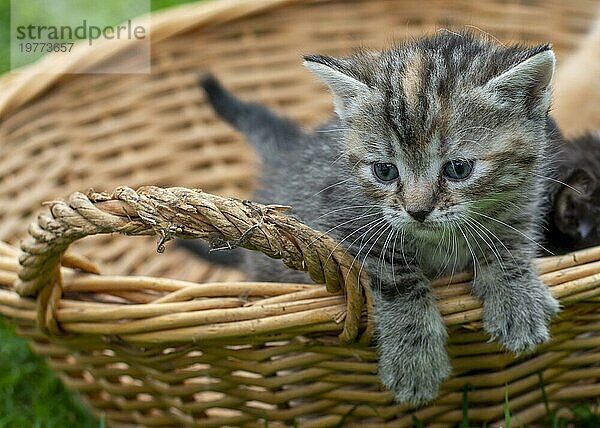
[30, 394]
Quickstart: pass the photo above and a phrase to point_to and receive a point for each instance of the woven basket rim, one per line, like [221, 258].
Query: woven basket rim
[153, 211]
[185, 213]
[24, 84]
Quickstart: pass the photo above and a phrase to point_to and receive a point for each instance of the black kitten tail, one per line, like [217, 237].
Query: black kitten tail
[264, 129]
[229, 258]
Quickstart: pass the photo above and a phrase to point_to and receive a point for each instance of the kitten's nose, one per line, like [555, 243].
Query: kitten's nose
[419, 215]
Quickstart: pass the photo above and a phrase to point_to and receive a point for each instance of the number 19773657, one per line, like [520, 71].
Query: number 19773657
[33, 47]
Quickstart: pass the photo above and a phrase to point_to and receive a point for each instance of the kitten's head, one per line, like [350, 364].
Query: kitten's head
[443, 127]
[577, 209]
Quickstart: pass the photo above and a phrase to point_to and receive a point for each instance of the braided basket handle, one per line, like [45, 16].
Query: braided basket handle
[184, 213]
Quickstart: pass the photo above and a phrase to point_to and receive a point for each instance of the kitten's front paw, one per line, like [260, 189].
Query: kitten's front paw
[414, 375]
[520, 321]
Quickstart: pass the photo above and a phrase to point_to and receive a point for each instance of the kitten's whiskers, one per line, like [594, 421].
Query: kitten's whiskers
[515, 229]
[402, 247]
[382, 260]
[447, 246]
[325, 131]
[492, 200]
[383, 229]
[346, 208]
[455, 251]
[340, 225]
[470, 227]
[377, 221]
[363, 245]
[330, 186]
[486, 33]
[337, 159]
[497, 254]
[557, 181]
[394, 258]
[470, 250]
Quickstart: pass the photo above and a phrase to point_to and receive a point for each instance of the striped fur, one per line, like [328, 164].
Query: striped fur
[419, 105]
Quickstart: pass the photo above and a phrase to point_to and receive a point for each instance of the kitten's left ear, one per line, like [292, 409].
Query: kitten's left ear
[582, 181]
[338, 75]
[529, 80]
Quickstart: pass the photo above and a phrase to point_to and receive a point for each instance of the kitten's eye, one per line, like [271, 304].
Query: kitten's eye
[385, 172]
[458, 169]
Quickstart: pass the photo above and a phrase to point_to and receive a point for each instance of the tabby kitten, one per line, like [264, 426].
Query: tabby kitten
[574, 217]
[434, 164]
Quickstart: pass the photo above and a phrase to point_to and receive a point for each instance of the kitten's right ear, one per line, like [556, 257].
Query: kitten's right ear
[582, 181]
[337, 74]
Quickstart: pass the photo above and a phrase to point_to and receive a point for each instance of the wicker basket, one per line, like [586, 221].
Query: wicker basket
[166, 339]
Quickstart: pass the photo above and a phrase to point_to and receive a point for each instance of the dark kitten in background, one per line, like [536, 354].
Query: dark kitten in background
[435, 163]
[574, 217]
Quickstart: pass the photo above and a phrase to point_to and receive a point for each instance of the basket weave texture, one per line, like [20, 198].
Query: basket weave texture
[167, 339]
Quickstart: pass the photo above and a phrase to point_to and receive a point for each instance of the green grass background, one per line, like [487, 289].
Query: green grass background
[32, 396]
[4, 35]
